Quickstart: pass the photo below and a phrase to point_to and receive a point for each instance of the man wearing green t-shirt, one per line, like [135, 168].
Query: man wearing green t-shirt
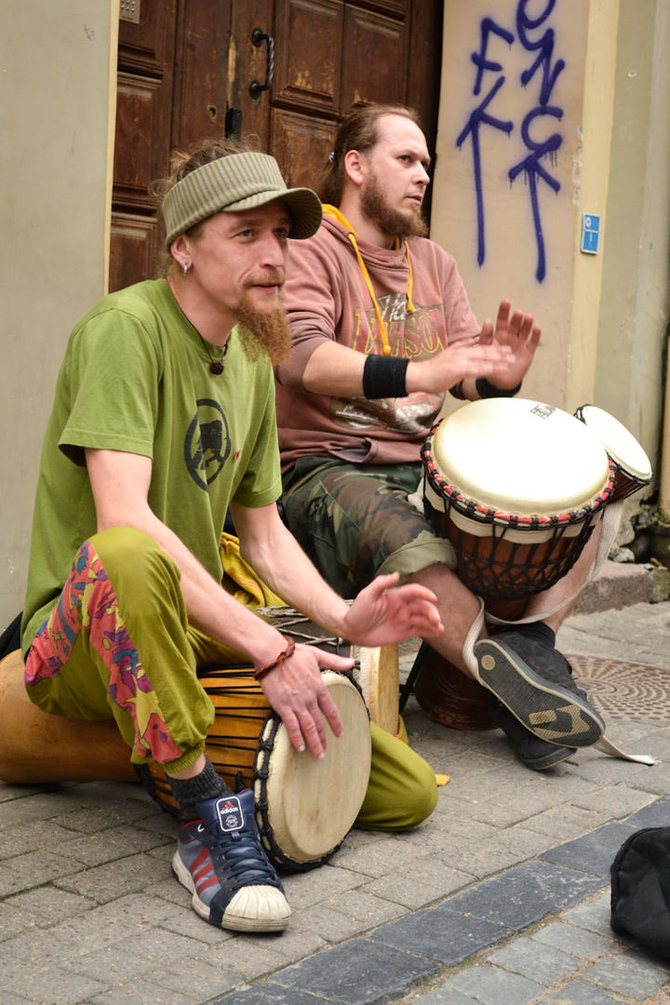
[164, 421]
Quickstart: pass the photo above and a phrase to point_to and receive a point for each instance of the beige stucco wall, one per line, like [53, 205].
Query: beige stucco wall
[603, 316]
[56, 64]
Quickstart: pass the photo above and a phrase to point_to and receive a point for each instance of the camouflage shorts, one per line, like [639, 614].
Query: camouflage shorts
[355, 521]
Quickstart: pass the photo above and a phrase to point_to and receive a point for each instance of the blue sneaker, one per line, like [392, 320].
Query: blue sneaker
[221, 861]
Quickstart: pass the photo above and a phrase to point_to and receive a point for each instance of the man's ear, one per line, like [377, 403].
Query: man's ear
[354, 166]
[180, 247]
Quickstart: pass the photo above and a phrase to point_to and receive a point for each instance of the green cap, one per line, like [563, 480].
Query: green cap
[232, 184]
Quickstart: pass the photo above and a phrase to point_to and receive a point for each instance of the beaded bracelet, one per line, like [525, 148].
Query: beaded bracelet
[286, 654]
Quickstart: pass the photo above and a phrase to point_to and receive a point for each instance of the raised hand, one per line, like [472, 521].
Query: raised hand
[383, 613]
[521, 335]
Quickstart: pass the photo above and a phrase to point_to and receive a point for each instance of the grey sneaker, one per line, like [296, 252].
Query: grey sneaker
[536, 685]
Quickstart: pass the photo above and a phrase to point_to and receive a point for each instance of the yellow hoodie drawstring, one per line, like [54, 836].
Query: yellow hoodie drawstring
[334, 212]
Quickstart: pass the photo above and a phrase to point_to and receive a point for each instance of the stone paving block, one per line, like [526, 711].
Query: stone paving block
[24, 872]
[628, 970]
[580, 993]
[576, 941]
[593, 914]
[141, 992]
[592, 853]
[370, 859]
[112, 844]
[290, 946]
[619, 799]
[115, 964]
[56, 986]
[17, 839]
[525, 894]
[449, 936]
[186, 976]
[497, 853]
[358, 973]
[250, 958]
[11, 998]
[350, 914]
[419, 883]
[308, 888]
[13, 921]
[183, 921]
[542, 963]
[493, 986]
[48, 905]
[271, 994]
[41, 806]
[114, 879]
[446, 995]
[656, 814]
[566, 822]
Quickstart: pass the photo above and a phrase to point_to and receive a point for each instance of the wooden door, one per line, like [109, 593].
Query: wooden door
[188, 69]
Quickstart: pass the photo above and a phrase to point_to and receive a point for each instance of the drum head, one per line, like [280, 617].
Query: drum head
[621, 445]
[521, 457]
[312, 804]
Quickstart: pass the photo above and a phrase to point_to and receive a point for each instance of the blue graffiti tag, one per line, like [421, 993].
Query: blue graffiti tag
[539, 150]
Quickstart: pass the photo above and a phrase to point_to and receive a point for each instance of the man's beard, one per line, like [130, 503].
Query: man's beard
[390, 221]
[263, 333]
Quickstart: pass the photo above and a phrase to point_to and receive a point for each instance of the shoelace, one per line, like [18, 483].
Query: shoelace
[243, 855]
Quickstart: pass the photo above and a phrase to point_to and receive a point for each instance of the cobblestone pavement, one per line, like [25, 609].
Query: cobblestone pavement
[502, 896]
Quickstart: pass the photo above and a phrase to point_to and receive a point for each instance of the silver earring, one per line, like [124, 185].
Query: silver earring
[185, 267]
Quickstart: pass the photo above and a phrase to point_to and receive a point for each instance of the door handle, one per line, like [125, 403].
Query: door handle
[258, 37]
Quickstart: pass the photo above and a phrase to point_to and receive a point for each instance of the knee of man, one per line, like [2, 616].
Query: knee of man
[129, 552]
[402, 791]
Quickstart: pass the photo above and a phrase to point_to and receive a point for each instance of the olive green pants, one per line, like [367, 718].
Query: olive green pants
[118, 645]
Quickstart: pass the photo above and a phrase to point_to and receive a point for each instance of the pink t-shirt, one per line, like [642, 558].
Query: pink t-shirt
[327, 298]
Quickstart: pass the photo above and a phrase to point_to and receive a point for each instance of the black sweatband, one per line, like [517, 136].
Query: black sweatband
[384, 376]
[486, 390]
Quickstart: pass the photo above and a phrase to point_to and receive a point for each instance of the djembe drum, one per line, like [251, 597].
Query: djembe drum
[631, 466]
[304, 807]
[517, 486]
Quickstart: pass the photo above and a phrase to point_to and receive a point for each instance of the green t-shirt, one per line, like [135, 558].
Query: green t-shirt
[136, 378]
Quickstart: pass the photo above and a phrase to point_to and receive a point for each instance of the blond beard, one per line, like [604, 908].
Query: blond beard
[263, 333]
[390, 221]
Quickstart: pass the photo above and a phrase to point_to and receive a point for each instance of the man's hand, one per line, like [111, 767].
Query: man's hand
[465, 358]
[298, 694]
[520, 335]
[383, 613]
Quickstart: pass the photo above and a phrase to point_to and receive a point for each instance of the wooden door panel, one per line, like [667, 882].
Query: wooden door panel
[310, 34]
[136, 162]
[247, 63]
[301, 145]
[201, 70]
[134, 249]
[374, 59]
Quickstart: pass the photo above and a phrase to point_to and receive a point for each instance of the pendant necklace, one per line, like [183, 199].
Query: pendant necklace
[215, 365]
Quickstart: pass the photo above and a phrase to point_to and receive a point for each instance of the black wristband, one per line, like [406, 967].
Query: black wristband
[384, 376]
[486, 390]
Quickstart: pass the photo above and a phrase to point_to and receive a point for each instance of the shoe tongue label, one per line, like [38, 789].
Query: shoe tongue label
[230, 814]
